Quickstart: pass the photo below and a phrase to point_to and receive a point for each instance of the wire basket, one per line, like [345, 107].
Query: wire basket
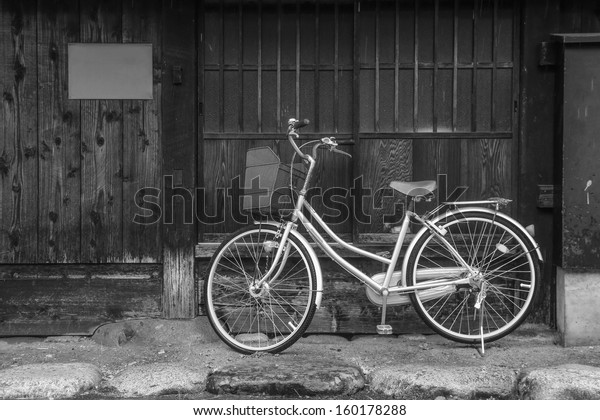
[267, 181]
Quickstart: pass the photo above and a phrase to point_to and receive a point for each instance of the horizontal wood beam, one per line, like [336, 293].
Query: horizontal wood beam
[75, 299]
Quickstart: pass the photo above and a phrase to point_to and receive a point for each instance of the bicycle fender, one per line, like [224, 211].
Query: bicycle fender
[502, 216]
[312, 255]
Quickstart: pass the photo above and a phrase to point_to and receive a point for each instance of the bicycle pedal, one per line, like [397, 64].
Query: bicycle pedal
[384, 329]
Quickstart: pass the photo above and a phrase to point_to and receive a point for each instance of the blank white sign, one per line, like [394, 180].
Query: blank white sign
[110, 71]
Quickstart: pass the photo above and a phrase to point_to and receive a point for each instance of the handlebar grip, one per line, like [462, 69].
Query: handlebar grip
[300, 124]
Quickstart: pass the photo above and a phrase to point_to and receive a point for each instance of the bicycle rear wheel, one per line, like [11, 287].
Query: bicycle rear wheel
[268, 318]
[507, 273]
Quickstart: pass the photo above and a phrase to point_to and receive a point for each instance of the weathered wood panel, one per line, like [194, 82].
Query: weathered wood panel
[435, 157]
[18, 142]
[59, 136]
[75, 299]
[488, 164]
[179, 155]
[379, 163]
[142, 137]
[101, 148]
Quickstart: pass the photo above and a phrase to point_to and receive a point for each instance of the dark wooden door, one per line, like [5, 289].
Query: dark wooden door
[413, 90]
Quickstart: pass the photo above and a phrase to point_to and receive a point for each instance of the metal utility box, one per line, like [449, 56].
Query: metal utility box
[578, 151]
[577, 172]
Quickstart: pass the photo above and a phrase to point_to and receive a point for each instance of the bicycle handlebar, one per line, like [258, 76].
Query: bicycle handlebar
[294, 124]
[299, 124]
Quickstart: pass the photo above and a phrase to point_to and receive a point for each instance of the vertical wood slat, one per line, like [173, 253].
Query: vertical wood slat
[179, 139]
[474, 80]
[102, 148]
[59, 150]
[142, 137]
[259, 72]
[494, 67]
[397, 64]
[240, 63]
[201, 148]
[221, 100]
[416, 70]
[434, 92]
[298, 58]
[18, 145]
[278, 71]
[515, 112]
[336, 60]
[377, 41]
[317, 122]
[356, 167]
[455, 67]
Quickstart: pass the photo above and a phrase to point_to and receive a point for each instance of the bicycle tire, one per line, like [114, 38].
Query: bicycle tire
[267, 320]
[506, 264]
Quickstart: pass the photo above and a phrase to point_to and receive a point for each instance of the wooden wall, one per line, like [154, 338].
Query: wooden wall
[443, 103]
[71, 256]
[69, 169]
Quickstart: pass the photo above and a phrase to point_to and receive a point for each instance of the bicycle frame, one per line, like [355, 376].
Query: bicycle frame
[382, 289]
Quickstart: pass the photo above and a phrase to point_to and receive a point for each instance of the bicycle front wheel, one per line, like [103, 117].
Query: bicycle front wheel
[268, 318]
[496, 299]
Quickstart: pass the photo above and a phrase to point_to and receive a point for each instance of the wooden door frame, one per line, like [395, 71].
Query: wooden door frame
[180, 133]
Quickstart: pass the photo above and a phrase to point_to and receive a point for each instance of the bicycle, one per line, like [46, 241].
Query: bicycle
[471, 271]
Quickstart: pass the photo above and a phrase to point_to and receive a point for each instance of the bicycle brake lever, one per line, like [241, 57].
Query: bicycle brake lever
[341, 152]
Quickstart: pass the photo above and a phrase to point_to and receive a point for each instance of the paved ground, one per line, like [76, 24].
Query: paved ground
[153, 359]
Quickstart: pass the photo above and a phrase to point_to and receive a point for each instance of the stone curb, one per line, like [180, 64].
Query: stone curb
[288, 378]
[304, 377]
[431, 382]
[563, 382]
[159, 379]
[48, 381]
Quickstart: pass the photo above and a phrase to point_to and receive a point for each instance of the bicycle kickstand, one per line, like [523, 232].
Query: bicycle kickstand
[480, 307]
[383, 328]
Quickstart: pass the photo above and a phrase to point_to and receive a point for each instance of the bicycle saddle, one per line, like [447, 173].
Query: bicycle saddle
[414, 189]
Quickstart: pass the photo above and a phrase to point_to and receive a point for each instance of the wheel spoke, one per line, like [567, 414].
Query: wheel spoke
[503, 264]
[243, 314]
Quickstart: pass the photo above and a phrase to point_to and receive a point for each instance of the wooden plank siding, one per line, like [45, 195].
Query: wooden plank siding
[59, 137]
[18, 128]
[142, 141]
[70, 170]
[74, 299]
[102, 148]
